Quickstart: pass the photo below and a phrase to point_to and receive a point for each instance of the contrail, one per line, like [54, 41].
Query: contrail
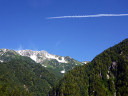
[87, 16]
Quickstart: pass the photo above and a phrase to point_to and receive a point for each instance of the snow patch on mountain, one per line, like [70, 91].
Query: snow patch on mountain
[33, 57]
[41, 56]
[44, 65]
[1, 61]
[85, 62]
[63, 71]
[61, 60]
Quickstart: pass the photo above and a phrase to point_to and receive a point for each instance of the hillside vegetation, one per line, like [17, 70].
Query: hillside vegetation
[105, 75]
[24, 77]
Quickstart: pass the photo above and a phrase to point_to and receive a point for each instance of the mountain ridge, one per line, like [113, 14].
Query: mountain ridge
[41, 54]
[105, 75]
[57, 64]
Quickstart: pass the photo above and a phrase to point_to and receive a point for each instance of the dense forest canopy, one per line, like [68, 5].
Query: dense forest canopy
[105, 75]
[24, 77]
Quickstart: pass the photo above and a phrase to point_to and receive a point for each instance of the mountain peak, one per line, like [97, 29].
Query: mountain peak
[41, 56]
[3, 49]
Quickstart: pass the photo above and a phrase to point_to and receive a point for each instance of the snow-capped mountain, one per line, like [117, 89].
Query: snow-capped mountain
[41, 56]
[54, 63]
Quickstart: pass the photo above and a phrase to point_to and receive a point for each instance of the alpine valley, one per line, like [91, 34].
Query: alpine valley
[27, 72]
[38, 73]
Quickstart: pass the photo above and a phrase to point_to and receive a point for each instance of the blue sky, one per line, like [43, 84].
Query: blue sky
[24, 25]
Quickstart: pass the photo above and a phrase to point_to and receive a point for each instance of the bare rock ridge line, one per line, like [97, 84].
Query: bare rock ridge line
[41, 56]
[37, 56]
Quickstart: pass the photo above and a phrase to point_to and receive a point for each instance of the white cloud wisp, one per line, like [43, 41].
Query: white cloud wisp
[88, 16]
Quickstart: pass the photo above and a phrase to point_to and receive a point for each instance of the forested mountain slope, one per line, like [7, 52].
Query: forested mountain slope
[105, 75]
[23, 77]
[58, 65]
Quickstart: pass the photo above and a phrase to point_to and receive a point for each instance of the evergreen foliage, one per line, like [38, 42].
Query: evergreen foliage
[105, 75]
[56, 67]
[24, 77]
